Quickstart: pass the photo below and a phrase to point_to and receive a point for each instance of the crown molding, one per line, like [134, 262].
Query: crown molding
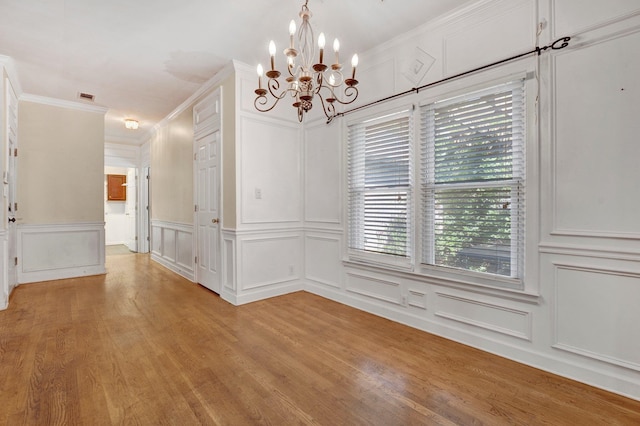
[206, 87]
[63, 104]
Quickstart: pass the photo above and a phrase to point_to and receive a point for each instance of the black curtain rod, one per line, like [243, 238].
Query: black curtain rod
[560, 43]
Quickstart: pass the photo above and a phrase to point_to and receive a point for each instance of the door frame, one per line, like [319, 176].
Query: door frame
[202, 129]
[144, 204]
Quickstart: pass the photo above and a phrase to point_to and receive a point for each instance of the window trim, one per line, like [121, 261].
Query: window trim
[528, 286]
[390, 261]
[515, 181]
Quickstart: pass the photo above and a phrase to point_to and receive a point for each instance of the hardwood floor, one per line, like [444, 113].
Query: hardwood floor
[144, 346]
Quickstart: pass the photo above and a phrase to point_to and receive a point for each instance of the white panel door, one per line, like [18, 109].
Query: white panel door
[208, 215]
[12, 144]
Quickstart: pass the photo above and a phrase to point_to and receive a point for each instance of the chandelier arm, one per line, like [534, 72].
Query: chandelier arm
[328, 108]
[319, 81]
[274, 86]
[350, 93]
[261, 100]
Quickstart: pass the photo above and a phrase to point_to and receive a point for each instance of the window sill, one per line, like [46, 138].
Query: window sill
[460, 281]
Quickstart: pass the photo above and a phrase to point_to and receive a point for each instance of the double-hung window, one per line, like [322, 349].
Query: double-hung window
[380, 186]
[472, 181]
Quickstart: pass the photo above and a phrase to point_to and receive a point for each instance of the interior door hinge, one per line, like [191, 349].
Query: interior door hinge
[136, 239]
[15, 152]
[15, 261]
[148, 239]
[195, 156]
[15, 207]
[195, 208]
[196, 260]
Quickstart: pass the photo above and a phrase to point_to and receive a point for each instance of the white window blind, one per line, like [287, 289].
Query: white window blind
[379, 181]
[473, 181]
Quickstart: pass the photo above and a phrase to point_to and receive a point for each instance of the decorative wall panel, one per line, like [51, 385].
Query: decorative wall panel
[597, 313]
[501, 319]
[380, 288]
[595, 143]
[50, 252]
[323, 259]
[172, 247]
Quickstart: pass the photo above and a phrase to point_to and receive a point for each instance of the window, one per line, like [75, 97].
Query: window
[380, 185]
[472, 181]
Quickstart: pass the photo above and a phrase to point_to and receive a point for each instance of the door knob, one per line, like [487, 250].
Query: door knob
[12, 219]
[216, 220]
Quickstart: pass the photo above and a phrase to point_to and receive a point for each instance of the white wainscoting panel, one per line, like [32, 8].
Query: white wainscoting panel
[323, 171]
[270, 158]
[269, 260]
[51, 252]
[323, 259]
[381, 288]
[169, 248]
[260, 264]
[416, 298]
[597, 313]
[156, 240]
[172, 247]
[489, 316]
[229, 261]
[4, 267]
[593, 178]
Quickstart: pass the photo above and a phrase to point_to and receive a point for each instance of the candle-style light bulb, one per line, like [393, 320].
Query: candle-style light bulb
[260, 73]
[321, 42]
[292, 32]
[272, 52]
[354, 64]
[336, 48]
[332, 80]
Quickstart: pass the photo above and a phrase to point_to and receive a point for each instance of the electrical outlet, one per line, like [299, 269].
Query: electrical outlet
[258, 194]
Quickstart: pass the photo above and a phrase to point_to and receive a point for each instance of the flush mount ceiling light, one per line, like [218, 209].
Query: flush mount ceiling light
[131, 124]
[307, 80]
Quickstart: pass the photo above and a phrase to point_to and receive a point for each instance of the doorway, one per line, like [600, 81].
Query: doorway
[120, 210]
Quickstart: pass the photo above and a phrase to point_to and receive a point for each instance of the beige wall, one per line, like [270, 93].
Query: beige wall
[229, 153]
[172, 165]
[61, 165]
[172, 170]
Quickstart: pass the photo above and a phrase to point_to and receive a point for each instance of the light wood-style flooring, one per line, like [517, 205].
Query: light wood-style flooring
[144, 346]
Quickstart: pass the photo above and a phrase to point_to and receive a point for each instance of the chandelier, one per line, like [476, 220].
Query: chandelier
[307, 80]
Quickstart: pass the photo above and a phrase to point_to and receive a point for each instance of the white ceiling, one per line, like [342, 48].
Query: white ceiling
[143, 58]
